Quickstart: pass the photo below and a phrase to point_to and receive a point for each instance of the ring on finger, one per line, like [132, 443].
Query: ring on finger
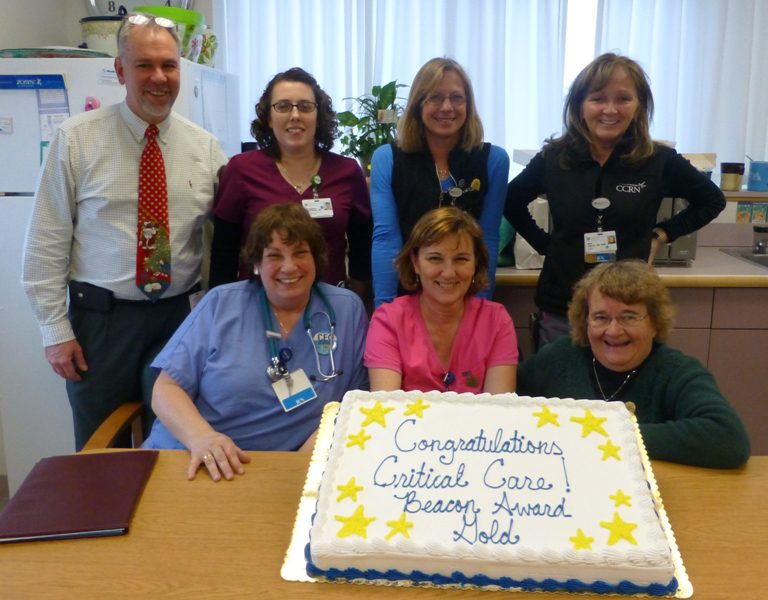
[206, 458]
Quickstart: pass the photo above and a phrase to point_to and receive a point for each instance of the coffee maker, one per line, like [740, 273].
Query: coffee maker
[683, 250]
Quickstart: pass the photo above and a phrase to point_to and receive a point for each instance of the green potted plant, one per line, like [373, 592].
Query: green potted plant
[371, 123]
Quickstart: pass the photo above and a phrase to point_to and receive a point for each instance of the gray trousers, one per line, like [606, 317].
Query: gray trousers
[119, 345]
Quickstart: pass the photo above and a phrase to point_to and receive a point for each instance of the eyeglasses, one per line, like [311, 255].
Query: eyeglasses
[437, 100]
[304, 106]
[603, 321]
[142, 19]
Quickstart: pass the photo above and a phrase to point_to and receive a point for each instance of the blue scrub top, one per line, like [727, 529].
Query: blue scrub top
[220, 354]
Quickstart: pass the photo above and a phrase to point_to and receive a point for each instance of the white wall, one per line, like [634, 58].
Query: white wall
[35, 23]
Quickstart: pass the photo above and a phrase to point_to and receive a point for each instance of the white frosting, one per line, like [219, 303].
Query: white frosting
[412, 463]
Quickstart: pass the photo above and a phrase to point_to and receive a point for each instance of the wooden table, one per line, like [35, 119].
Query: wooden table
[227, 540]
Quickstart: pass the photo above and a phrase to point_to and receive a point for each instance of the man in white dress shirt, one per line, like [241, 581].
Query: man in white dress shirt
[83, 231]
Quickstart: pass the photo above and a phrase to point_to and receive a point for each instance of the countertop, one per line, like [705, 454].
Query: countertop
[711, 268]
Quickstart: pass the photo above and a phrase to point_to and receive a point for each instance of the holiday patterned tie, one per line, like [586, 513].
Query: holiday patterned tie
[153, 252]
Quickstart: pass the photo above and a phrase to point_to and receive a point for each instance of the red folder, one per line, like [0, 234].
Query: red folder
[77, 495]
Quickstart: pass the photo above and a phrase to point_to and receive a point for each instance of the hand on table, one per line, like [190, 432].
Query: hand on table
[219, 454]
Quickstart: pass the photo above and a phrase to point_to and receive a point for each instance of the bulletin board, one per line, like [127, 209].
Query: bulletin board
[31, 108]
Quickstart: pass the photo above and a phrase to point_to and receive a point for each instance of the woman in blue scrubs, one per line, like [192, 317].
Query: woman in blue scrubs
[255, 363]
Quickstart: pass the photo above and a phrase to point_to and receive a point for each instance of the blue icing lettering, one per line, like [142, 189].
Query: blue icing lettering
[422, 477]
[413, 504]
[532, 509]
[496, 535]
[495, 480]
[501, 443]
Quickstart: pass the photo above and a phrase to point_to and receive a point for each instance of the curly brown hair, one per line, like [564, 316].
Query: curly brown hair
[432, 228]
[327, 125]
[629, 281]
[293, 224]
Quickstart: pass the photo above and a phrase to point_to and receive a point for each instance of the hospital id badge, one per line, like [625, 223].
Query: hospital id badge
[600, 247]
[294, 390]
[318, 208]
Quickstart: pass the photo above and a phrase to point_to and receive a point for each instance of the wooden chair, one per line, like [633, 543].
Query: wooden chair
[124, 416]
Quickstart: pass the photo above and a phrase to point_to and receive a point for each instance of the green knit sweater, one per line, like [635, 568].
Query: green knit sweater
[683, 416]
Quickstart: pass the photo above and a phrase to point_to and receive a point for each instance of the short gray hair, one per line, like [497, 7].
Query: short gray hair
[127, 26]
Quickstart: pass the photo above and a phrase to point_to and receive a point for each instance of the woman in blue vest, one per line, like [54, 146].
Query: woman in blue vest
[439, 160]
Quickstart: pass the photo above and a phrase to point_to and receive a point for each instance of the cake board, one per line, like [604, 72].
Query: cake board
[295, 563]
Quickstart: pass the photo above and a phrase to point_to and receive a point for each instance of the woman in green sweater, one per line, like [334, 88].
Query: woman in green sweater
[620, 316]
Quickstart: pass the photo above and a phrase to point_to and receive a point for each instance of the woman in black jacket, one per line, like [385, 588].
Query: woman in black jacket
[604, 179]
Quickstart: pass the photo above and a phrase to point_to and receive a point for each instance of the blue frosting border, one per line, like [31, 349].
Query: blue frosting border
[547, 585]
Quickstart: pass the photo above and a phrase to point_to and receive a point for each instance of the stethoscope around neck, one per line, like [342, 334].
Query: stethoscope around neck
[279, 357]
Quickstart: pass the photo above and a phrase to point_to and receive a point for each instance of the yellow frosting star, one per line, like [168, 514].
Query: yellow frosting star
[402, 525]
[416, 408]
[546, 416]
[620, 530]
[590, 423]
[355, 524]
[349, 490]
[375, 414]
[610, 450]
[620, 498]
[358, 439]
[581, 541]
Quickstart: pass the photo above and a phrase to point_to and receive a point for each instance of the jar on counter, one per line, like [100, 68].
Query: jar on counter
[731, 174]
[100, 33]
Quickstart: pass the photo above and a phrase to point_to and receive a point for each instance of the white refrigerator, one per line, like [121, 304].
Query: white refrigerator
[34, 411]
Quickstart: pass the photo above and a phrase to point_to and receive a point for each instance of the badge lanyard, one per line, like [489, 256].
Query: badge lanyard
[317, 207]
[600, 246]
[293, 388]
[454, 189]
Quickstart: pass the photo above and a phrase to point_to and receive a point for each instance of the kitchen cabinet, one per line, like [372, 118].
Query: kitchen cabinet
[738, 351]
[733, 347]
[693, 322]
[737, 359]
[520, 305]
[739, 308]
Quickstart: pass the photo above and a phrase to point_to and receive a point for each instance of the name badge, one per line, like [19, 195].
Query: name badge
[318, 208]
[294, 390]
[600, 247]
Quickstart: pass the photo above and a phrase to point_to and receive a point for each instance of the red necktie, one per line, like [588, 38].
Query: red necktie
[153, 252]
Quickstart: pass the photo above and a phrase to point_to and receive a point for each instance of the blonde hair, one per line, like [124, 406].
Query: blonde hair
[433, 227]
[629, 281]
[410, 128]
